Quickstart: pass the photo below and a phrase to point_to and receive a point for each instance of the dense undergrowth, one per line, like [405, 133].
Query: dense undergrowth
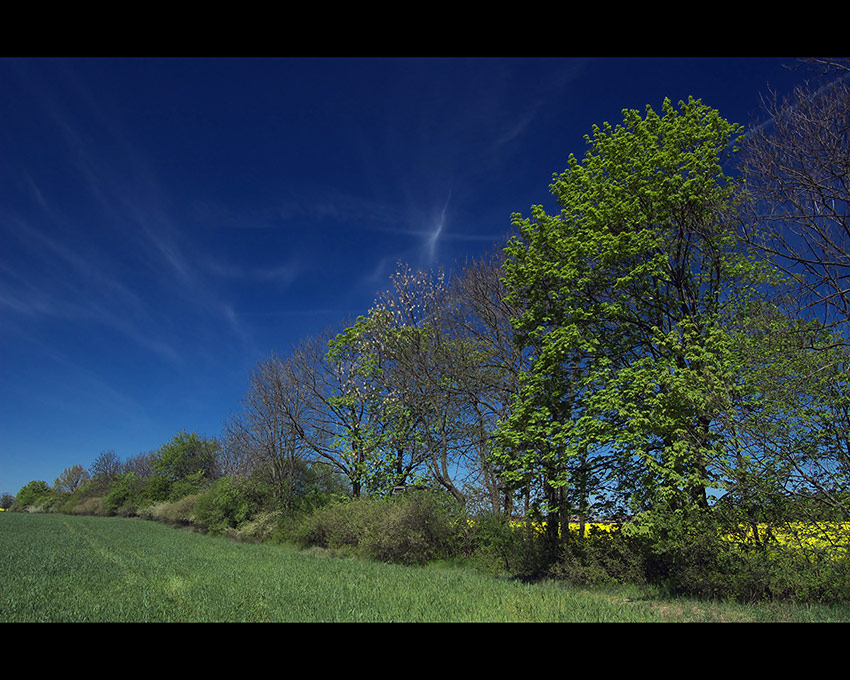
[705, 555]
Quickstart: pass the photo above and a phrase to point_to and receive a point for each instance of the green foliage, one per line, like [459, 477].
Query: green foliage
[158, 489]
[6, 501]
[339, 526]
[227, 504]
[376, 425]
[189, 485]
[125, 495]
[187, 457]
[417, 528]
[601, 557]
[35, 495]
[498, 547]
[627, 295]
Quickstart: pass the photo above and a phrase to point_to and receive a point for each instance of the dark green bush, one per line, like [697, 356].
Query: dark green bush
[600, 557]
[125, 495]
[688, 553]
[498, 547]
[225, 505]
[157, 489]
[190, 485]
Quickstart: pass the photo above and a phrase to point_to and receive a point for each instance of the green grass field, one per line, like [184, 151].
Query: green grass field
[61, 568]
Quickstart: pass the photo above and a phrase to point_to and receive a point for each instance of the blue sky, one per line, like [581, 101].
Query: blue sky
[165, 224]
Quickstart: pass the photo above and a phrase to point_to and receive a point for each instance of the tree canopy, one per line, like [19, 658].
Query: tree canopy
[627, 293]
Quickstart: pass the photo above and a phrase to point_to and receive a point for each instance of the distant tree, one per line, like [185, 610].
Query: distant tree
[262, 438]
[106, 466]
[139, 464]
[6, 501]
[187, 455]
[71, 479]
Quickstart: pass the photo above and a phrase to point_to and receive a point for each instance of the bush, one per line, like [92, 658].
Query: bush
[157, 489]
[180, 512]
[408, 529]
[602, 556]
[124, 495]
[34, 495]
[497, 546]
[223, 506]
[340, 525]
[688, 553]
[415, 528]
[89, 505]
[188, 486]
[259, 529]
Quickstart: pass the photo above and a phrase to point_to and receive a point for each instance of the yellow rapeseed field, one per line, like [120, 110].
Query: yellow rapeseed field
[834, 536]
[804, 535]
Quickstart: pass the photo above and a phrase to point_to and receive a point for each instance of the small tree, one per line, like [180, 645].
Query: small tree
[187, 456]
[71, 479]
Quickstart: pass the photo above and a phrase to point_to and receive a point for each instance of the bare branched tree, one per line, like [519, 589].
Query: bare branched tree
[107, 465]
[140, 465]
[262, 439]
[797, 168]
[484, 316]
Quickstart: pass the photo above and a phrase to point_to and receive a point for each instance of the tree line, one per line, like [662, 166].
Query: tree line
[673, 340]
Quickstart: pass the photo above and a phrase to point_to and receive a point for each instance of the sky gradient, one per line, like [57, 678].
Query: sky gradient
[165, 224]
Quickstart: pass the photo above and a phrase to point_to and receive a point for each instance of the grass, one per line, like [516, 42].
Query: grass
[62, 568]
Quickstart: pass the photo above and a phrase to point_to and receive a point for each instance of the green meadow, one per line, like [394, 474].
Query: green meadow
[59, 568]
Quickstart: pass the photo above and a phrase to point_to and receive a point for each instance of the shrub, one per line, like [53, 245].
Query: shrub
[689, 553]
[89, 505]
[602, 556]
[180, 512]
[34, 496]
[340, 525]
[124, 495]
[499, 545]
[408, 529]
[223, 506]
[188, 486]
[259, 529]
[157, 489]
[415, 528]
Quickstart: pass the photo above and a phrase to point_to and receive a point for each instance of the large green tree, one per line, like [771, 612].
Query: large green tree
[626, 293]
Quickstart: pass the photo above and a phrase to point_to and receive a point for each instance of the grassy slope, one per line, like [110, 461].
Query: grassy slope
[69, 568]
